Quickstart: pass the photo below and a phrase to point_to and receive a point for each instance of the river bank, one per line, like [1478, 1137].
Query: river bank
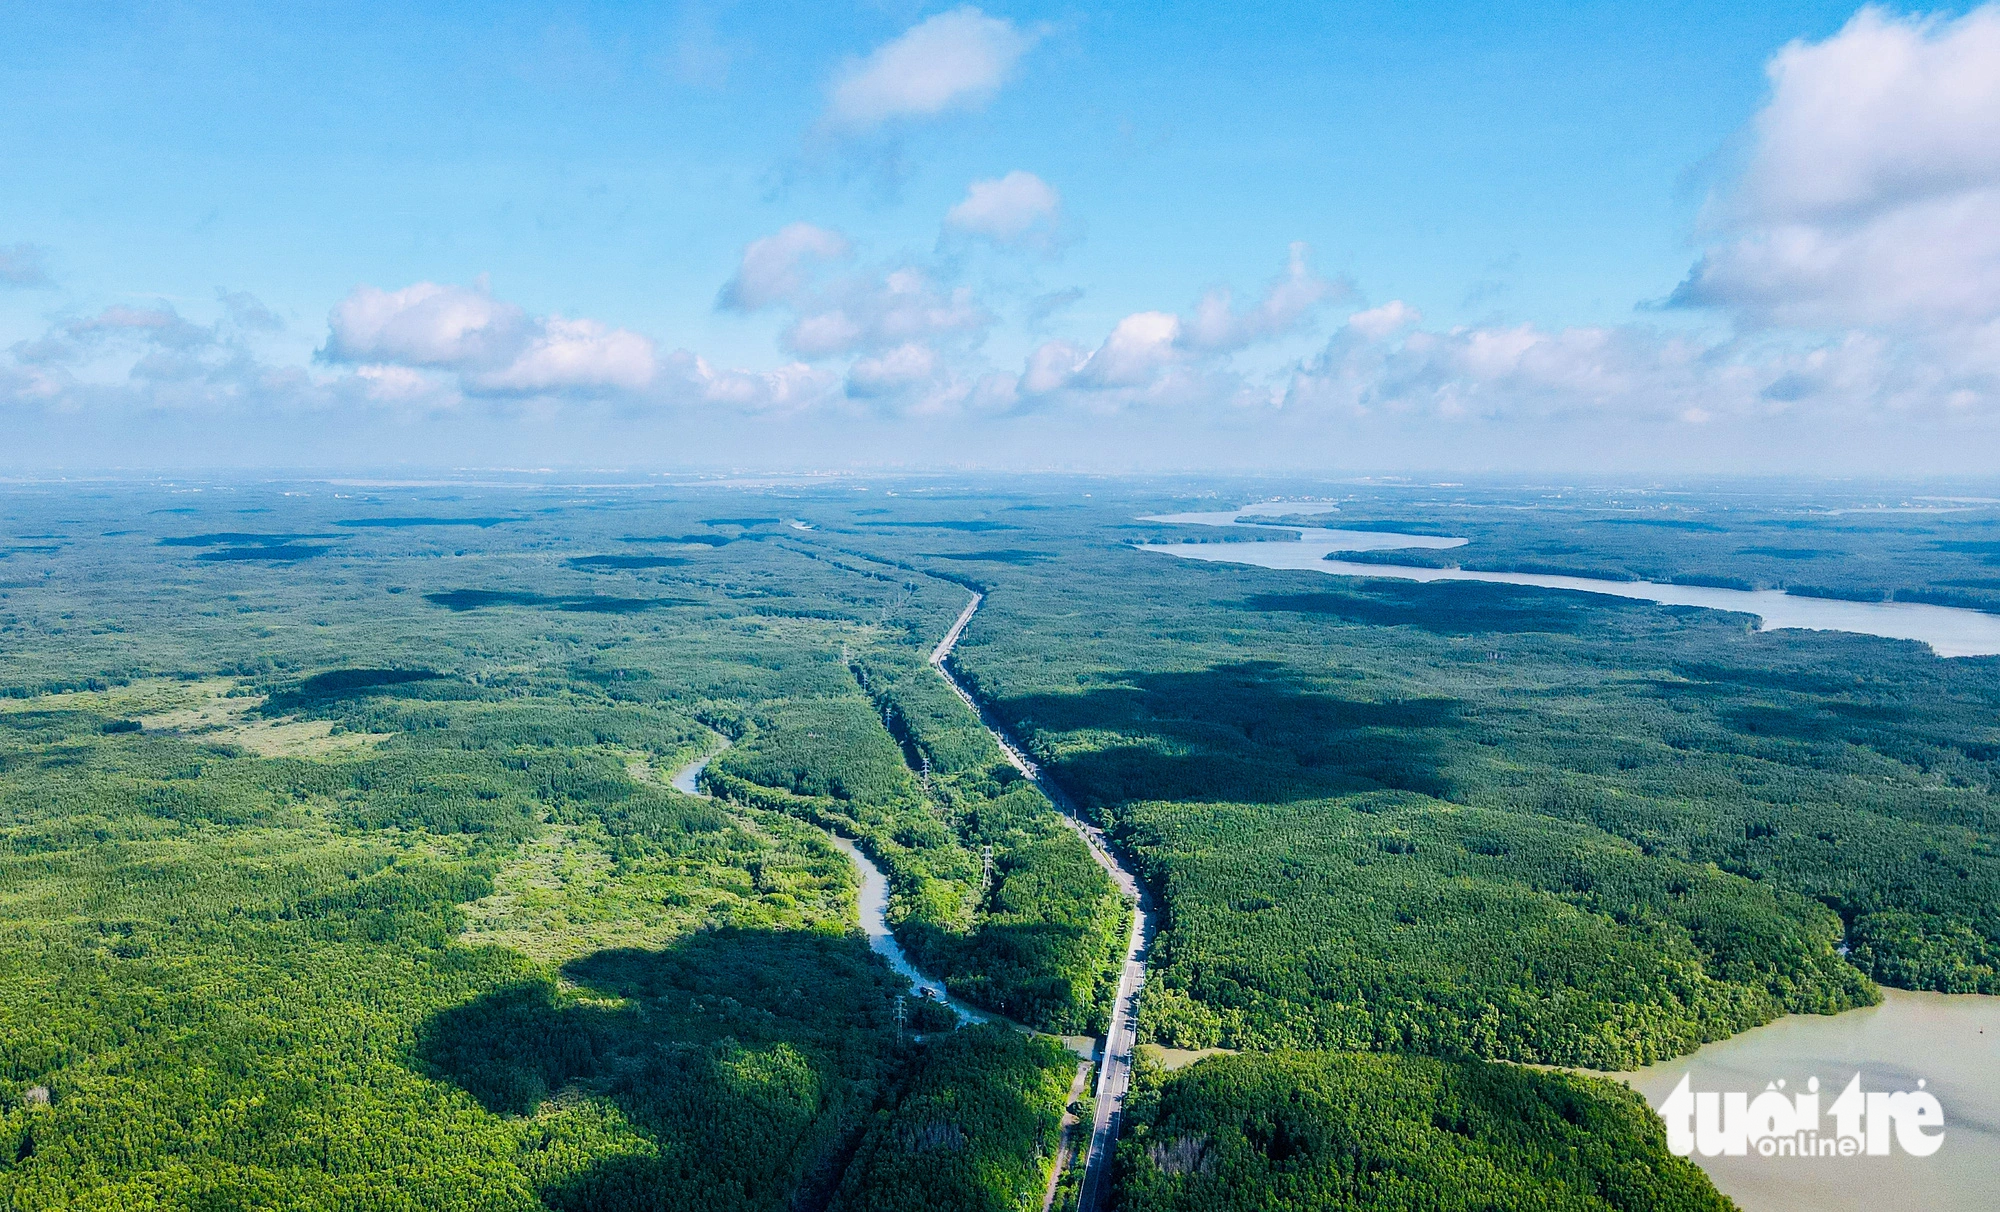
[1949, 631]
[1950, 1042]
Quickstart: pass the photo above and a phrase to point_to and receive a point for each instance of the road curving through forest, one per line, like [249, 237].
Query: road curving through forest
[1114, 1071]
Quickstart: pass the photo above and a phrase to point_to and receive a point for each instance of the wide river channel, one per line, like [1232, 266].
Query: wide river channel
[1950, 1042]
[1951, 632]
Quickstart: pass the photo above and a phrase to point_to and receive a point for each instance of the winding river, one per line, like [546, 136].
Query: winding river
[1950, 631]
[1114, 1070]
[873, 901]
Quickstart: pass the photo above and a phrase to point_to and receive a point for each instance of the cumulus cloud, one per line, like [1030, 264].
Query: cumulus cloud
[1524, 373]
[1871, 196]
[492, 345]
[852, 313]
[1145, 347]
[1217, 325]
[1497, 372]
[778, 267]
[1379, 322]
[428, 348]
[152, 358]
[571, 354]
[160, 325]
[246, 311]
[425, 325]
[892, 371]
[871, 313]
[788, 388]
[1017, 209]
[1142, 364]
[1137, 349]
[914, 380]
[955, 60]
[402, 385]
[24, 265]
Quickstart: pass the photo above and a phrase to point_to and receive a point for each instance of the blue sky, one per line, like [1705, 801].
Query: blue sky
[1512, 178]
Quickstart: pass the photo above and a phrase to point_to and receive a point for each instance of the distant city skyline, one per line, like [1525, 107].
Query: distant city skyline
[1019, 237]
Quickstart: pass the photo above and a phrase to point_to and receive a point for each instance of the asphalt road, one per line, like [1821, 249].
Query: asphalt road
[1114, 1071]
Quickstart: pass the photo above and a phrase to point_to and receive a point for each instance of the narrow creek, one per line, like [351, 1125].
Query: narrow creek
[873, 901]
[1115, 1049]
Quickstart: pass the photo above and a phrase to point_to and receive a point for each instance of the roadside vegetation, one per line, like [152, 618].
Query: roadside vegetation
[323, 894]
[343, 870]
[1485, 821]
[991, 893]
[1293, 1132]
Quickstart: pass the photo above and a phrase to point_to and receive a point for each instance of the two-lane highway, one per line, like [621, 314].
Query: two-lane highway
[1114, 1071]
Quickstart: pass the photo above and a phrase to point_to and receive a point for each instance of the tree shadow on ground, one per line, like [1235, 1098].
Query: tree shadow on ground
[1245, 732]
[1452, 607]
[340, 686]
[746, 1061]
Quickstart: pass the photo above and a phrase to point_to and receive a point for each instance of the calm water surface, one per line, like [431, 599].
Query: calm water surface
[1950, 1041]
[874, 903]
[1950, 632]
[875, 924]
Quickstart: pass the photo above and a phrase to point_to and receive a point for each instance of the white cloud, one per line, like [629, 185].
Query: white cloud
[776, 268]
[402, 385]
[575, 354]
[1137, 349]
[159, 327]
[790, 388]
[1379, 322]
[1507, 374]
[871, 313]
[426, 325]
[1872, 192]
[1019, 208]
[914, 380]
[892, 371]
[246, 311]
[1499, 372]
[1143, 363]
[140, 358]
[1888, 109]
[1148, 347]
[1051, 367]
[955, 60]
[855, 313]
[494, 346]
[1290, 299]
